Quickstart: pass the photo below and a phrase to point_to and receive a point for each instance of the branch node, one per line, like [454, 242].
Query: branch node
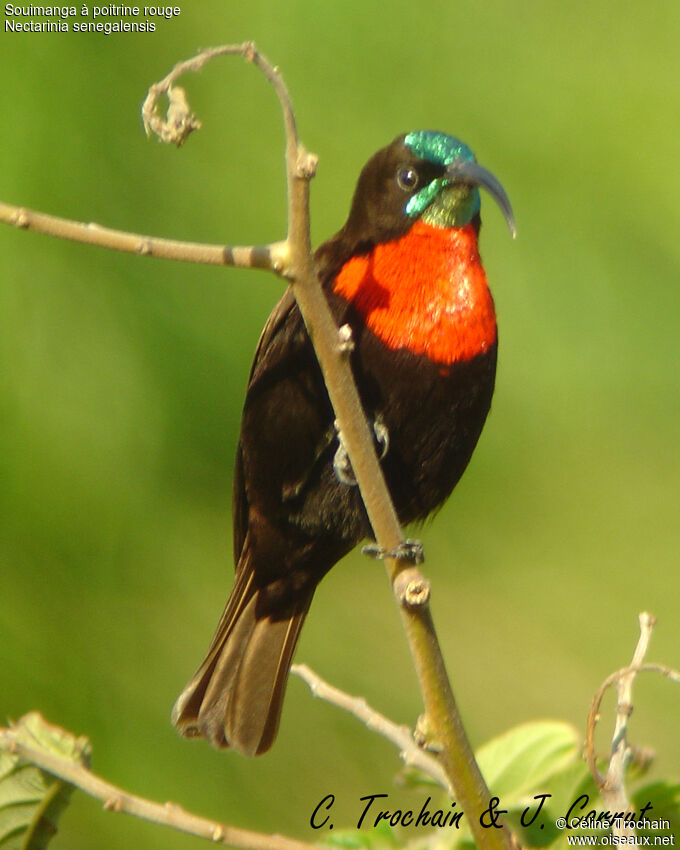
[417, 593]
[249, 51]
[424, 736]
[113, 804]
[400, 735]
[306, 163]
[647, 621]
[279, 257]
[20, 218]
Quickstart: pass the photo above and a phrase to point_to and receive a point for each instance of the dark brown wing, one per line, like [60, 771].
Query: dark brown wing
[272, 348]
[282, 463]
[284, 468]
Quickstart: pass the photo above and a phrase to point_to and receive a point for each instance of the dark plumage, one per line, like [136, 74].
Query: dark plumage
[293, 518]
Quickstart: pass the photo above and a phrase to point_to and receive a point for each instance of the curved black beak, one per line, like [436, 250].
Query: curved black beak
[468, 171]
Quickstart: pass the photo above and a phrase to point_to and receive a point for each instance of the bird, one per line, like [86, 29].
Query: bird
[405, 274]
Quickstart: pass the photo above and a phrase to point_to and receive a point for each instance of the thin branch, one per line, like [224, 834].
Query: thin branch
[181, 121]
[400, 735]
[174, 129]
[300, 165]
[167, 814]
[247, 256]
[612, 786]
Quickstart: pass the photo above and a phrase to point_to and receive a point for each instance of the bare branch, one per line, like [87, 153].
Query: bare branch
[271, 256]
[614, 789]
[300, 164]
[174, 129]
[401, 736]
[180, 121]
[612, 786]
[166, 814]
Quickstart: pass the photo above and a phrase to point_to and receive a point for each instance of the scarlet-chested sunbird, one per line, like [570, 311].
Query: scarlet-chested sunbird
[404, 273]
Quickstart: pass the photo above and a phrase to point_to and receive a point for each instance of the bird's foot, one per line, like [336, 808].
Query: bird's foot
[408, 550]
[382, 437]
[345, 339]
[341, 462]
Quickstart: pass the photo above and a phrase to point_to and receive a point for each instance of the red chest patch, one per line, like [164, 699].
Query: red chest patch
[426, 292]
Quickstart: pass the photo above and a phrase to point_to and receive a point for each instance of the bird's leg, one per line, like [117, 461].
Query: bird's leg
[341, 462]
[408, 550]
[343, 468]
[382, 436]
[345, 340]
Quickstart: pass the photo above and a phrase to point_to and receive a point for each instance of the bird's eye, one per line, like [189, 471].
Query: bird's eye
[407, 178]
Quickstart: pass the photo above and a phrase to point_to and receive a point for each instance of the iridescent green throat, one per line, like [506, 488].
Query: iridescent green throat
[442, 203]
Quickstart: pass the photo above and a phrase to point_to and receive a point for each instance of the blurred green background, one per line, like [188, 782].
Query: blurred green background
[121, 382]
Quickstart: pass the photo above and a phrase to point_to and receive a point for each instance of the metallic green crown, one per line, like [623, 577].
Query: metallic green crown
[439, 149]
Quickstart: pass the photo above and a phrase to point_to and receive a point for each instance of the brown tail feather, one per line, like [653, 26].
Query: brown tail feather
[235, 698]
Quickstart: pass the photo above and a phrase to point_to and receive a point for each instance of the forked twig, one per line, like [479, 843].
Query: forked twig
[166, 814]
[612, 786]
[401, 736]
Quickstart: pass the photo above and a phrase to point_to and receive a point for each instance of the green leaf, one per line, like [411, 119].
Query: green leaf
[540, 758]
[522, 760]
[31, 801]
[381, 837]
[665, 800]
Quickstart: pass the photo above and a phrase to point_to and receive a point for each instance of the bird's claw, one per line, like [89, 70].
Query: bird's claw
[345, 339]
[408, 550]
[342, 466]
[341, 462]
[382, 436]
